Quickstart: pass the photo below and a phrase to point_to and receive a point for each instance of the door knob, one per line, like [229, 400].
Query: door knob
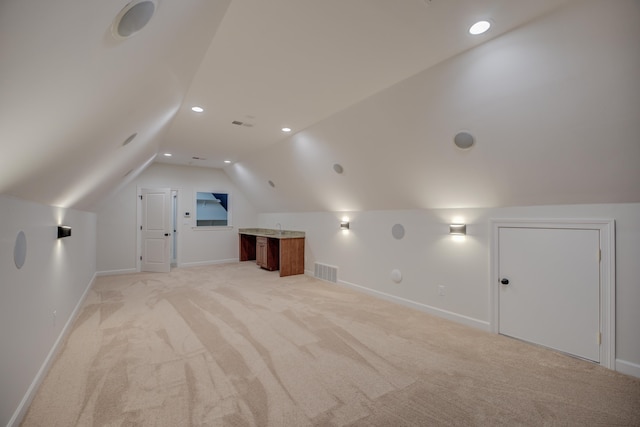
[504, 281]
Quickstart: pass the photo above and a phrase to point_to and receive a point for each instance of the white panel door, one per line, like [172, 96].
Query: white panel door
[156, 230]
[550, 288]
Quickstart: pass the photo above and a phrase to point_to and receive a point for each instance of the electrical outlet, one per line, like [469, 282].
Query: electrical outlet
[441, 290]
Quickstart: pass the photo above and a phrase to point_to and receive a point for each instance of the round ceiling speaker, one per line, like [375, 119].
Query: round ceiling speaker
[463, 140]
[20, 250]
[397, 231]
[133, 18]
[128, 140]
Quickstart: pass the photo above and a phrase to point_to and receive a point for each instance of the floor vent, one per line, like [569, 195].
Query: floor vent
[326, 272]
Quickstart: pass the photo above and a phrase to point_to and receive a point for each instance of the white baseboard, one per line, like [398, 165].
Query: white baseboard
[628, 368]
[199, 263]
[449, 315]
[20, 412]
[116, 272]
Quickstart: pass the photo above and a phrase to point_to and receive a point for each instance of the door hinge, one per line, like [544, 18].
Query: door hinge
[599, 254]
[140, 257]
[140, 197]
[140, 227]
[599, 338]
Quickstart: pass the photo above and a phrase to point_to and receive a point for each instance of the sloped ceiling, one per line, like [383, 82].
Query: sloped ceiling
[380, 87]
[554, 107]
[71, 93]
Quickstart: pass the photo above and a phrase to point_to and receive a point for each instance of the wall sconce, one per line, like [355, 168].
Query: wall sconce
[458, 229]
[64, 231]
[344, 225]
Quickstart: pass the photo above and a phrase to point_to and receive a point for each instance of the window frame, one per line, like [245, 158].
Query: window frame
[229, 210]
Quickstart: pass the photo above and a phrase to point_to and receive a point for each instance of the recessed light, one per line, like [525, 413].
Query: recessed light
[479, 27]
[286, 129]
[227, 161]
[197, 109]
[168, 154]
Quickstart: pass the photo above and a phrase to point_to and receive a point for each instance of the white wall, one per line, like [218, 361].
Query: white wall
[117, 218]
[428, 257]
[553, 105]
[55, 277]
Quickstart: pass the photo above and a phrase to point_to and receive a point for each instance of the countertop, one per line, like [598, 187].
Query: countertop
[272, 233]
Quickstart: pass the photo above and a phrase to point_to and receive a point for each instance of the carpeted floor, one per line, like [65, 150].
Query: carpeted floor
[233, 345]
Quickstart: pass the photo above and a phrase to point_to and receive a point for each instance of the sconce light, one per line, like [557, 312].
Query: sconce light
[64, 231]
[344, 225]
[458, 229]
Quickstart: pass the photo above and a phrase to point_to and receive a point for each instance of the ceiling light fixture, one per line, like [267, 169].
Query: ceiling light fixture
[197, 109]
[479, 27]
[168, 154]
[227, 161]
[286, 129]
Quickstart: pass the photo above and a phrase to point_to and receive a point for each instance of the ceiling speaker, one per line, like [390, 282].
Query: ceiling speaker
[463, 140]
[397, 231]
[133, 18]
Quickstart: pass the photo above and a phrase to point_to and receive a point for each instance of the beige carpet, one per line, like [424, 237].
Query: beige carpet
[233, 345]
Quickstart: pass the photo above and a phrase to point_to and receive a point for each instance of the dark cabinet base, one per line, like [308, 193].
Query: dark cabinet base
[272, 253]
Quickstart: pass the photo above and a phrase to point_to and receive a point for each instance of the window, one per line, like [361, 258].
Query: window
[212, 209]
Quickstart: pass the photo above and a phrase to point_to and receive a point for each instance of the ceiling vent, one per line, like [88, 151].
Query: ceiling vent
[239, 123]
[133, 18]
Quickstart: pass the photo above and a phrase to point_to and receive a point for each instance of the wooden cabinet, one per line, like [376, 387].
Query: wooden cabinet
[291, 256]
[273, 253]
[267, 253]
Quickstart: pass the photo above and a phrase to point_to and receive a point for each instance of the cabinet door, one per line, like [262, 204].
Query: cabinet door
[261, 251]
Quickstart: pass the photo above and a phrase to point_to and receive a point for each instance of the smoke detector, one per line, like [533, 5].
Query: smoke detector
[133, 18]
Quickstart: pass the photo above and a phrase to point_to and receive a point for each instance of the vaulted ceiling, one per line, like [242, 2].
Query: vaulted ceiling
[550, 94]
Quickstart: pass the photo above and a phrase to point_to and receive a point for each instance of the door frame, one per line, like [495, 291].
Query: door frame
[606, 228]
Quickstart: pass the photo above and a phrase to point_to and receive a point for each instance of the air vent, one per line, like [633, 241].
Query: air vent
[326, 272]
[240, 123]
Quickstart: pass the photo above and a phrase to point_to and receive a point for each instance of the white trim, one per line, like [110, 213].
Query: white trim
[116, 272]
[606, 227]
[22, 408]
[627, 368]
[138, 230]
[449, 315]
[213, 228]
[199, 263]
